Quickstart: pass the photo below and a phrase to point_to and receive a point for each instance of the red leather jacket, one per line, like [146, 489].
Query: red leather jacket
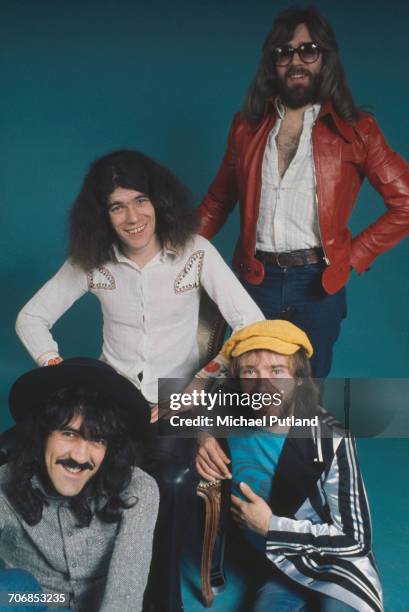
[343, 155]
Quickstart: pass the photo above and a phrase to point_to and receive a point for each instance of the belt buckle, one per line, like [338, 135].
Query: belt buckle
[278, 259]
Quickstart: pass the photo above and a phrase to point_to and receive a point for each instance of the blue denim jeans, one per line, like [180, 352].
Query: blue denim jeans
[23, 583]
[296, 294]
[282, 595]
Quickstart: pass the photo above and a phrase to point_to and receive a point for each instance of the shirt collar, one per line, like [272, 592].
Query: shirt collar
[119, 256]
[51, 495]
[166, 250]
[279, 108]
[310, 114]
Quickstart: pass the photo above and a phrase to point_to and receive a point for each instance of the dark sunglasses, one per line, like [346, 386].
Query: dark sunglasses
[308, 53]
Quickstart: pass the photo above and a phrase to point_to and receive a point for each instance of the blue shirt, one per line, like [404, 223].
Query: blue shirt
[254, 460]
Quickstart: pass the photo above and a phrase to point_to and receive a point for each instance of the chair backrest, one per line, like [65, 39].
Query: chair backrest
[211, 330]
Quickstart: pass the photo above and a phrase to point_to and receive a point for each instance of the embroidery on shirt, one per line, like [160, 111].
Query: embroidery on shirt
[189, 277]
[101, 278]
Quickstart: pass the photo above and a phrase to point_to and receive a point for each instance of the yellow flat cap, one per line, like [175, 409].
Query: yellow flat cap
[272, 335]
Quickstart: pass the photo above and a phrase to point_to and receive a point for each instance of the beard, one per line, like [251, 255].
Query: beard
[285, 409]
[284, 388]
[296, 96]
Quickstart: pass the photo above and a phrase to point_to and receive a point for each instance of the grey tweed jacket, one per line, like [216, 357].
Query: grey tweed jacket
[100, 568]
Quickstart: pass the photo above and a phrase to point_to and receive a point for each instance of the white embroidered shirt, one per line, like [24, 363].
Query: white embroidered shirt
[150, 314]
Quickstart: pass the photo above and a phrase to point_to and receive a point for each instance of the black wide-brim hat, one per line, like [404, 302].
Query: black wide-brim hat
[30, 391]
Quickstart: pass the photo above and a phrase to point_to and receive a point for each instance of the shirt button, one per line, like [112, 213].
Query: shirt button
[69, 534]
[73, 564]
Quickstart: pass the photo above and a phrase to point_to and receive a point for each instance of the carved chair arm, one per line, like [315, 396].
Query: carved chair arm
[210, 492]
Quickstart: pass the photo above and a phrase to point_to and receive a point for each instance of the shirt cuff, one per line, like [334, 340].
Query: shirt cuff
[49, 358]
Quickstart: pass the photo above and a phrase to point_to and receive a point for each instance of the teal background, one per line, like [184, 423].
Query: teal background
[80, 79]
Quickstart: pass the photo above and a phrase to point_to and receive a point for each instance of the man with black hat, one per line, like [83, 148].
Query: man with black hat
[75, 511]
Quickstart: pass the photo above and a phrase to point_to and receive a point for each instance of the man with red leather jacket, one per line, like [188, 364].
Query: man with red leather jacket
[296, 158]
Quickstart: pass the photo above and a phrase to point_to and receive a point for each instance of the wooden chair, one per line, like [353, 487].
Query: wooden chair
[210, 492]
[212, 329]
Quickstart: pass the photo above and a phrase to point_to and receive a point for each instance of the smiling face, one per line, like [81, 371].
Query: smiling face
[298, 81]
[70, 459]
[132, 216]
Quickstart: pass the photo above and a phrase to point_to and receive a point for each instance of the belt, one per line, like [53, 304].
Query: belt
[288, 259]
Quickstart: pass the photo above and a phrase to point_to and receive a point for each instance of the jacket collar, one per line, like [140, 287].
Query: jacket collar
[345, 129]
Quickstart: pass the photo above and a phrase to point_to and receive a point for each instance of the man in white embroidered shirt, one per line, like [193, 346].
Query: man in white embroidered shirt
[132, 244]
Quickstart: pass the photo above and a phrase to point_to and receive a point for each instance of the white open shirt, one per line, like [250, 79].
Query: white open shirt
[288, 217]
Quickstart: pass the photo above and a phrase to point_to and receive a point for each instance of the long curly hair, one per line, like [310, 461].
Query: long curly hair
[91, 235]
[103, 493]
[332, 83]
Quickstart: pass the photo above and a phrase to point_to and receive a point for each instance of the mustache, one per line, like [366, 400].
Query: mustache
[266, 385]
[70, 463]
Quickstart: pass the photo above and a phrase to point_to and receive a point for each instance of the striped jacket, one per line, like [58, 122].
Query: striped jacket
[320, 531]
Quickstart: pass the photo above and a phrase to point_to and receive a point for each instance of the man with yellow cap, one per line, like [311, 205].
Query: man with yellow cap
[298, 492]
